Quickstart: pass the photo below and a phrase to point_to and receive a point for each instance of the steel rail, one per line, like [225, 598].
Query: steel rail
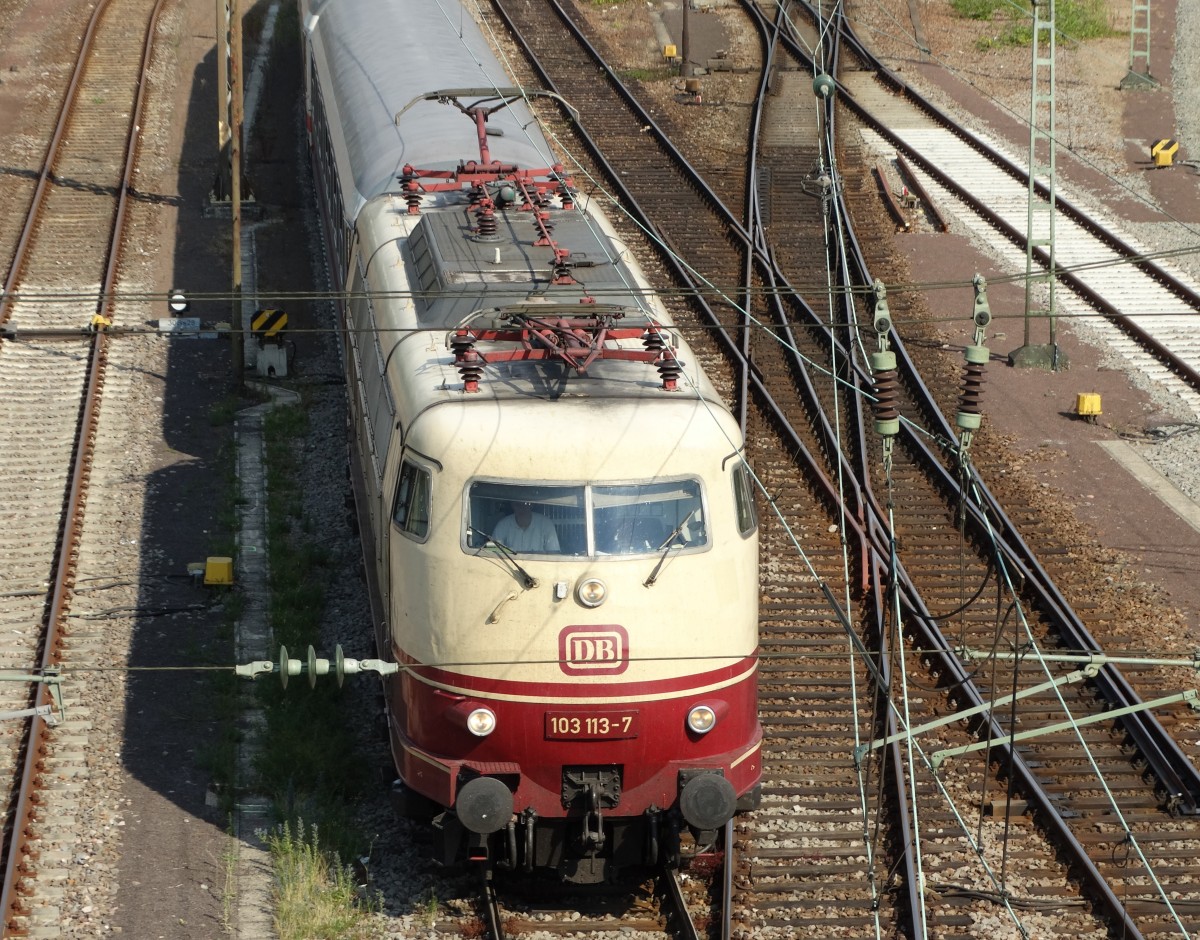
[1017, 237]
[872, 567]
[942, 651]
[871, 558]
[23, 817]
[1051, 603]
[39, 193]
[1179, 775]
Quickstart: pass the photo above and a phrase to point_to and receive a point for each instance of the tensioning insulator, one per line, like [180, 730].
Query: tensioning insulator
[969, 415]
[887, 396]
[824, 86]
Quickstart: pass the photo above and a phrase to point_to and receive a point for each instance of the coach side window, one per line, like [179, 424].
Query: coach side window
[411, 512]
[747, 518]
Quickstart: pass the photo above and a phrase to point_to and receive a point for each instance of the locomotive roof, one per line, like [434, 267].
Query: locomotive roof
[457, 279]
[370, 67]
[463, 273]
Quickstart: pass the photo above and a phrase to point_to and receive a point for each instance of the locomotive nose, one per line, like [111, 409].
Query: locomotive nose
[707, 801]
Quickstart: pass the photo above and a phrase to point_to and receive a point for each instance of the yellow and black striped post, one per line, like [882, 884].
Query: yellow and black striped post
[268, 326]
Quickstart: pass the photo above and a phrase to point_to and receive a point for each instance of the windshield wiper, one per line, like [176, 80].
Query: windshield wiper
[527, 580]
[666, 549]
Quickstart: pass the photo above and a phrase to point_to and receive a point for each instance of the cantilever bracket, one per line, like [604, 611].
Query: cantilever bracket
[1097, 659]
[1188, 695]
[52, 679]
[1088, 672]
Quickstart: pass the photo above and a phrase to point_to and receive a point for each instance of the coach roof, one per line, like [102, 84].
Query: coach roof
[403, 49]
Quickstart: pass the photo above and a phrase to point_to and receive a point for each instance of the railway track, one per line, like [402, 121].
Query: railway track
[1108, 779]
[671, 903]
[821, 854]
[772, 854]
[1148, 305]
[929, 517]
[62, 273]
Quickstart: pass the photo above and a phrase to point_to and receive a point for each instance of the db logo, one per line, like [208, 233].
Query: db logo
[593, 651]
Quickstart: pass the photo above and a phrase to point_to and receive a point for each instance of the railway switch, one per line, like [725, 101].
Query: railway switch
[1162, 152]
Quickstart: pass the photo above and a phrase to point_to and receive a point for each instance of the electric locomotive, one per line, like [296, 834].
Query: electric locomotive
[558, 523]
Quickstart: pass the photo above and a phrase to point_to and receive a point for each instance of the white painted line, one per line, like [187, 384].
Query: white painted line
[1155, 482]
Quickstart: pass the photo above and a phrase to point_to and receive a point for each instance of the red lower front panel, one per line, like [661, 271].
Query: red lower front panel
[644, 735]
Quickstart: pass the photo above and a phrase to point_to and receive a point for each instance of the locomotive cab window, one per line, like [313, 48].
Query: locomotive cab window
[747, 517]
[411, 511]
[644, 518]
[593, 519]
[535, 520]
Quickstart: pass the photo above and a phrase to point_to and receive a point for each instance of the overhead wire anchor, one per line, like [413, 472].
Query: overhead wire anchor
[312, 666]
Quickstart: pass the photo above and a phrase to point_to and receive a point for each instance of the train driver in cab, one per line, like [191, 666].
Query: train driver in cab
[526, 531]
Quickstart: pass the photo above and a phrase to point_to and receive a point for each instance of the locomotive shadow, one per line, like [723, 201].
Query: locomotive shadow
[180, 693]
[182, 697]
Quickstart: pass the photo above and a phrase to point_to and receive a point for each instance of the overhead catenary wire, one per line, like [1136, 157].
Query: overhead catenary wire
[706, 290]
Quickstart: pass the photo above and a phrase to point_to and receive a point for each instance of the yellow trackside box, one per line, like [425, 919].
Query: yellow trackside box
[669, 51]
[1163, 152]
[1087, 404]
[218, 570]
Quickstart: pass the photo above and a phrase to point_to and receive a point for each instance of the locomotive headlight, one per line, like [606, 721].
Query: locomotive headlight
[702, 719]
[592, 592]
[481, 722]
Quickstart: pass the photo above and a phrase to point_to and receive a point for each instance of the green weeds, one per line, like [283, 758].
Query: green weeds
[315, 895]
[1075, 20]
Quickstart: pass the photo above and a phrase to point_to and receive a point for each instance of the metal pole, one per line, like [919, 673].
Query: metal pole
[1040, 216]
[233, 69]
[1139, 48]
[685, 43]
[224, 103]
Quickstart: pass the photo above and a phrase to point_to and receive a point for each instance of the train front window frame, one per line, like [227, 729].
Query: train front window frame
[412, 506]
[589, 520]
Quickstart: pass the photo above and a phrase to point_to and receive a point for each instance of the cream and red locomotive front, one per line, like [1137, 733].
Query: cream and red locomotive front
[557, 515]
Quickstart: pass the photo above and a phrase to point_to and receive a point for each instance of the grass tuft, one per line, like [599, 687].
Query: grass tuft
[1075, 20]
[315, 895]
